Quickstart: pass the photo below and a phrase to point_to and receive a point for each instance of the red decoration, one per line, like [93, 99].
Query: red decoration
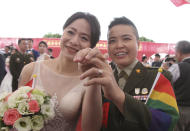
[29, 83]
[180, 2]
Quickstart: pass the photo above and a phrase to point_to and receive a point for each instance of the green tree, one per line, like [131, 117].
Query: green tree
[142, 38]
[50, 35]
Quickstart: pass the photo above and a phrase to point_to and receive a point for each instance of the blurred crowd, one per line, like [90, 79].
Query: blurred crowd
[165, 62]
[12, 61]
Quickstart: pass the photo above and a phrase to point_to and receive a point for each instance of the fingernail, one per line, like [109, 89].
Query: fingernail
[81, 77]
[74, 59]
[87, 57]
[85, 84]
[78, 58]
[84, 61]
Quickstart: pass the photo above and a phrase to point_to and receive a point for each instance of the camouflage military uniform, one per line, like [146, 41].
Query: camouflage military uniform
[17, 62]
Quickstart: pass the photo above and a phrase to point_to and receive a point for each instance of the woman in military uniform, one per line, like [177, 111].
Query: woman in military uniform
[126, 95]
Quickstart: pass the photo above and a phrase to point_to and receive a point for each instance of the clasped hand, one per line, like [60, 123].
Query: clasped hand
[95, 66]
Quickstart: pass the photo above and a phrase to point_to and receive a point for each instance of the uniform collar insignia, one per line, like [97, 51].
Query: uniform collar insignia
[138, 71]
[160, 69]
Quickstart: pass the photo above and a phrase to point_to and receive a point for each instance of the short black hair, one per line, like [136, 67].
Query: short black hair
[124, 21]
[30, 39]
[183, 47]
[50, 49]
[144, 57]
[93, 22]
[21, 39]
[157, 55]
[8, 47]
[170, 59]
[167, 56]
[13, 48]
[42, 42]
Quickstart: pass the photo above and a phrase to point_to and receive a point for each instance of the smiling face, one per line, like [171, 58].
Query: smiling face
[122, 45]
[76, 36]
[42, 48]
[6, 49]
[23, 45]
[30, 44]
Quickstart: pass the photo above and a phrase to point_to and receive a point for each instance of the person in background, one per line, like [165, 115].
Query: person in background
[50, 52]
[168, 62]
[150, 60]
[18, 60]
[2, 67]
[128, 86]
[13, 50]
[145, 61]
[7, 51]
[42, 47]
[181, 83]
[157, 62]
[31, 50]
[6, 84]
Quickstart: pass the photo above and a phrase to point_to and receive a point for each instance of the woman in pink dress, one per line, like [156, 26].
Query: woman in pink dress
[60, 77]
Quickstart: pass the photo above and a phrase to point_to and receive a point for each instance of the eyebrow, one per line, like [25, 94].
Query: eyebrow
[126, 35]
[112, 37]
[81, 32]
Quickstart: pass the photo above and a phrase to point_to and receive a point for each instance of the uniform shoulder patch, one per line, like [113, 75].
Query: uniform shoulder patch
[152, 68]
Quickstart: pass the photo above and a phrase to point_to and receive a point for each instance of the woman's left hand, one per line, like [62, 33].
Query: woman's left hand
[92, 62]
[84, 55]
[95, 66]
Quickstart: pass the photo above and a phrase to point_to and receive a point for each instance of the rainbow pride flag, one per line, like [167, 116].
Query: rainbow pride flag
[163, 105]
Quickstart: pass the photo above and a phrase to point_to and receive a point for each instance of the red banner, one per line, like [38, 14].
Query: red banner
[8, 42]
[145, 48]
[150, 48]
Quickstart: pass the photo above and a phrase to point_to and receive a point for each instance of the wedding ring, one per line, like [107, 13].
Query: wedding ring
[100, 72]
[89, 49]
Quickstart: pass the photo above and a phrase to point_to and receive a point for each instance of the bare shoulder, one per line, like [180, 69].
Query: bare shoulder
[29, 68]
[26, 74]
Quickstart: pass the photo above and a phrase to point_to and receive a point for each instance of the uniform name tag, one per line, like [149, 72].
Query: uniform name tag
[141, 97]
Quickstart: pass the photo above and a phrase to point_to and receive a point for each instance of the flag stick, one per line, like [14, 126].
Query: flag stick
[155, 81]
[34, 80]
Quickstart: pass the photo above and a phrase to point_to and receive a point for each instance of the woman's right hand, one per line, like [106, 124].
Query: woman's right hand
[95, 66]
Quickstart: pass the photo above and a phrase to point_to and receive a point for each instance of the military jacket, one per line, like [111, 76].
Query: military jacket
[17, 62]
[137, 116]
